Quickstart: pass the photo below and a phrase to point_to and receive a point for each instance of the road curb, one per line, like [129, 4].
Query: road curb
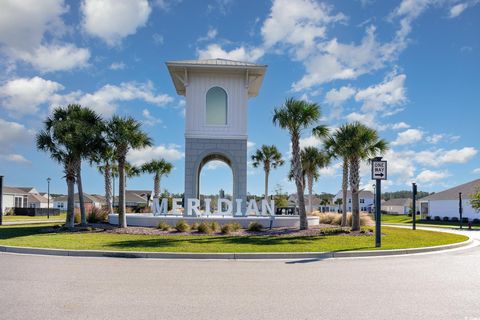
[230, 256]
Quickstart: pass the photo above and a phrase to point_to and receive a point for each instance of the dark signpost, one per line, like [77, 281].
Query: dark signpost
[1, 200]
[460, 208]
[379, 173]
[414, 205]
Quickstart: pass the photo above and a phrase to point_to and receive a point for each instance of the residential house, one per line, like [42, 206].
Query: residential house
[23, 197]
[397, 206]
[446, 203]
[135, 198]
[366, 201]
[90, 201]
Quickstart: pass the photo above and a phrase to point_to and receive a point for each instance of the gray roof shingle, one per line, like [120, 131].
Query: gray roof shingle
[467, 189]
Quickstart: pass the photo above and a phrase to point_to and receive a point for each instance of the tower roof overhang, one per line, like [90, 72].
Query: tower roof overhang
[254, 73]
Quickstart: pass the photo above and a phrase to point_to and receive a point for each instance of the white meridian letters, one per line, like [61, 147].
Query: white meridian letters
[225, 207]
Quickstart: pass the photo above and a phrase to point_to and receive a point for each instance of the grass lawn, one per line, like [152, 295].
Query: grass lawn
[405, 219]
[61, 216]
[394, 238]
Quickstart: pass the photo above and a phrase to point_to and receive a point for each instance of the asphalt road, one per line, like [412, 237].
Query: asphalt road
[427, 286]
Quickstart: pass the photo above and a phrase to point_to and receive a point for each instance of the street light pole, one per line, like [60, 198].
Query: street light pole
[48, 197]
[1, 200]
[414, 208]
[460, 208]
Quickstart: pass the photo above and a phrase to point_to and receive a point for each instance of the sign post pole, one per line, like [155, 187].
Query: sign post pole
[1, 200]
[460, 208]
[379, 173]
[414, 209]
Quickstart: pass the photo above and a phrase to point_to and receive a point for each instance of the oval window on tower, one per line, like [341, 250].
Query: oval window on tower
[216, 106]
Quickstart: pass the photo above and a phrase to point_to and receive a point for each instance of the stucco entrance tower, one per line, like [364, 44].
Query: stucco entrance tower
[216, 93]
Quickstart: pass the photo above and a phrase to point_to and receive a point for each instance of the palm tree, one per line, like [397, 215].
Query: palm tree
[337, 147]
[106, 168]
[364, 144]
[159, 168]
[312, 160]
[123, 134]
[54, 139]
[270, 158]
[88, 142]
[295, 116]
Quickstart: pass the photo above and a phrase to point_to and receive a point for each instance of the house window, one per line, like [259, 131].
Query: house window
[18, 202]
[216, 106]
[362, 200]
[349, 200]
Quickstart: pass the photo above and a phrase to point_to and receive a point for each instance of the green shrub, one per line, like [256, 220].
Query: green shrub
[436, 218]
[465, 220]
[215, 226]
[77, 217]
[194, 226]
[230, 227]
[236, 226]
[9, 212]
[428, 218]
[445, 218]
[182, 226]
[454, 219]
[255, 227]
[204, 228]
[162, 225]
[97, 215]
[476, 221]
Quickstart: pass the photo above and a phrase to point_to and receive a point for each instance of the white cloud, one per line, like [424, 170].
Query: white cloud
[216, 164]
[441, 157]
[56, 57]
[298, 24]
[117, 66]
[16, 158]
[241, 53]
[157, 39]
[105, 100]
[168, 152]
[211, 34]
[113, 20]
[23, 23]
[400, 125]
[429, 176]
[390, 92]
[24, 95]
[337, 97]
[13, 133]
[408, 136]
[477, 170]
[338, 61]
[457, 9]
[311, 141]
[23, 26]
[149, 119]
[250, 144]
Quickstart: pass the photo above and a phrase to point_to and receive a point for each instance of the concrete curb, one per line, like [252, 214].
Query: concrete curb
[229, 256]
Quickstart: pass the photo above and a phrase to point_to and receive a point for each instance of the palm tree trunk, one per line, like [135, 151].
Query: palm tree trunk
[122, 218]
[354, 186]
[297, 169]
[310, 192]
[83, 215]
[108, 187]
[266, 184]
[156, 186]
[344, 192]
[70, 178]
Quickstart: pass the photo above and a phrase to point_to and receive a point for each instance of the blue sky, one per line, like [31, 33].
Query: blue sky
[408, 68]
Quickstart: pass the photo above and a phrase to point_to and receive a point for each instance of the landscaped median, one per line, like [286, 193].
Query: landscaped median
[34, 236]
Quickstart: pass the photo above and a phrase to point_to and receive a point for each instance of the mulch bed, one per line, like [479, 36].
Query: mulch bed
[320, 230]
